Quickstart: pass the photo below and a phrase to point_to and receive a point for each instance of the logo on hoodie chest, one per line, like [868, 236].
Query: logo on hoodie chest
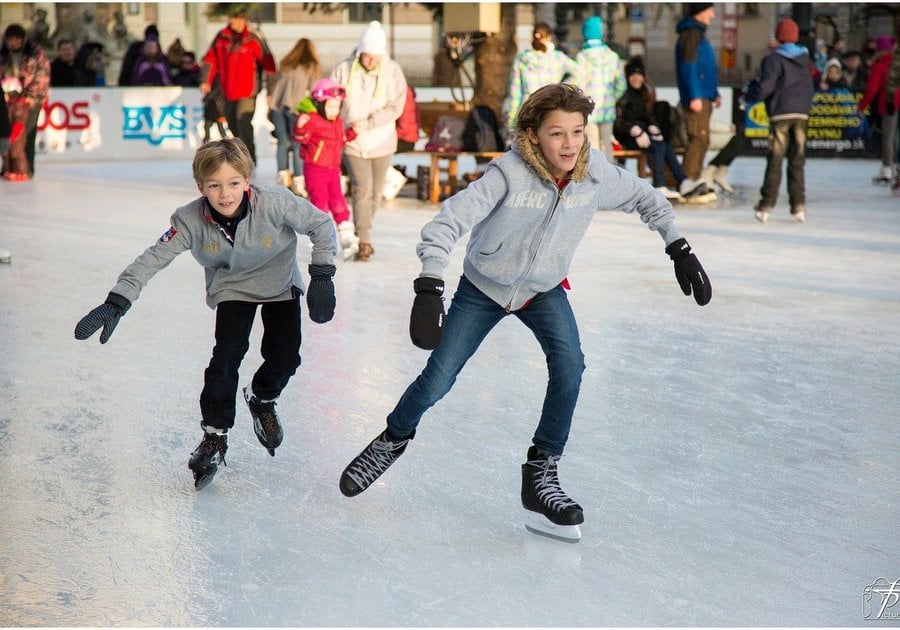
[528, 199]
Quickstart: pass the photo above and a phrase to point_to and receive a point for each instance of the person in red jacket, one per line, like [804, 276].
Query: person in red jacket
[883, 107]
[320, 132]
[237, 57]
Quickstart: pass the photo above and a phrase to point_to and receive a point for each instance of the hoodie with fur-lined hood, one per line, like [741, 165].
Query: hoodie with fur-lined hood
[525, 228]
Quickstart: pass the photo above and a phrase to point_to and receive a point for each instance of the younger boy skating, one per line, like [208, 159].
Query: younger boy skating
[245, 237]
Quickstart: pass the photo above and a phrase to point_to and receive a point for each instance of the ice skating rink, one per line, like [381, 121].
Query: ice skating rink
[738, 464]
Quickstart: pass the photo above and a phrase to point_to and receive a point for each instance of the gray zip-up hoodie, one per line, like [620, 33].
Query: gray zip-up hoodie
[261, 264]
[524, 229]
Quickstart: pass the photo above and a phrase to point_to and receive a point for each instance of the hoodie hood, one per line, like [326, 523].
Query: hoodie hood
[688, 22]
[793, 52]
[538, 163]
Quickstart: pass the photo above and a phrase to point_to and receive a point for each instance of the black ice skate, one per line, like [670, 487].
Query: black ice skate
[206, 458]
[371, 463]
[548, 511]
[265, 421]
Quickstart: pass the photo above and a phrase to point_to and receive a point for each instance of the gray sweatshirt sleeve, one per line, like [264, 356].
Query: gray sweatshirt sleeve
[626, 192]
[306, 219]
[154, 259]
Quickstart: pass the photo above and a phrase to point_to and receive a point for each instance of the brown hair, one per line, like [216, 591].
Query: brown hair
[542, 29]
[212, 155]
[564, 96]
[302, 54]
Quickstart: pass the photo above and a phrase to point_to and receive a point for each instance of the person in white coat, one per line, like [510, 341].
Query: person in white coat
[376, 94]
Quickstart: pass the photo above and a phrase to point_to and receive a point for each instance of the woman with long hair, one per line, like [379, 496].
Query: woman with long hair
[297, 72]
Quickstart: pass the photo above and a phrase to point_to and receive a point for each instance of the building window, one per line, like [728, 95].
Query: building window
[364, 11]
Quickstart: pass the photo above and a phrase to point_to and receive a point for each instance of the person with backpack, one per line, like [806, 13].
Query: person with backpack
[601, 68]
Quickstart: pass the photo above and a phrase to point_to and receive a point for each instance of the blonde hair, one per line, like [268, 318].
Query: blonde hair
[210, 157]
[555, 96]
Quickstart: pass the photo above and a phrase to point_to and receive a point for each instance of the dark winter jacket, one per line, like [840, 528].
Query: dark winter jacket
[784, 83]
[630, 111]
[33, 71]
[237, 59]
[695, 63]
[64, 74]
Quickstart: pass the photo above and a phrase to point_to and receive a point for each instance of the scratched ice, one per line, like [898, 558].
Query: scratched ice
[738, 463]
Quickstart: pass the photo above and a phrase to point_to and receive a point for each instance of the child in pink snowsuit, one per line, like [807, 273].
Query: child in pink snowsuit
[320, 132]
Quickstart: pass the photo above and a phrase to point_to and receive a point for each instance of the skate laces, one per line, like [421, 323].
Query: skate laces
[266, 412]
[547, 486]
[211, 444]
[373, 461]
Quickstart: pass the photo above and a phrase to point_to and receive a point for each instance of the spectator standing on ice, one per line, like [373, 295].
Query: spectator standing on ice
[293, 82]
[245, 237]
[604, 81]
[25, 81]
[376, 94]
[876, 96]
[698, 90]
[537, 67]
[237, 57]
[786, 87]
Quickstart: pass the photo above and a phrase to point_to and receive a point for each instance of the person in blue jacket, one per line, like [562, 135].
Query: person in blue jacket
[786, 86]
[527, 214]
[698, 89]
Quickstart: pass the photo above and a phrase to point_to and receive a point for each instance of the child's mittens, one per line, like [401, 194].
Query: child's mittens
[426, 322]
[320, 293]
[689, 272]
[107, 316]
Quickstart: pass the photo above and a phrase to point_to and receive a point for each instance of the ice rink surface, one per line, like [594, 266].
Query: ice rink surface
[738, 464]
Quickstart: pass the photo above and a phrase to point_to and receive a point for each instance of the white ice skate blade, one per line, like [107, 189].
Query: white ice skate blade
[541, 525]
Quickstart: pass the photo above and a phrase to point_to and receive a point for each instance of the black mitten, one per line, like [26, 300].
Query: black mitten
[426, 322]
[320, 293]
[689, 272]
[106, 315]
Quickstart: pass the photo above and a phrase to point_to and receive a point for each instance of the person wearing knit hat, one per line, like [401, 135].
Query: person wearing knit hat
[785, 86]
[603, 81]
[787, 31]
[698, 91]
[376, 95]
[877, 96]
[373, 41]
[692, 9]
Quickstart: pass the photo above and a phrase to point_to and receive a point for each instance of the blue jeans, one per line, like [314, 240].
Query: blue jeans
[470, 318]
[664, 155]
[283, 120]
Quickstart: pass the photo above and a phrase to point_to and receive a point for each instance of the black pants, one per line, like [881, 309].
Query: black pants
[240, 120]
[280, 351]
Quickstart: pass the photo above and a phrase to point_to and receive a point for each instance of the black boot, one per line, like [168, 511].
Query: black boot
[206, 458]
[369, 465]
[549, 510]
[265, 421]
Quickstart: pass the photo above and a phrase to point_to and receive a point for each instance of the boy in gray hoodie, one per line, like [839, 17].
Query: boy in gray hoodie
[526, 215]
[245, 237]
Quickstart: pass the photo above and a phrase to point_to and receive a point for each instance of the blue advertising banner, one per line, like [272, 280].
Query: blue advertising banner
[836, 126]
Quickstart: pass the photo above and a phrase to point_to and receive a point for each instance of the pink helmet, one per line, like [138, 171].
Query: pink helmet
[324, 89]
